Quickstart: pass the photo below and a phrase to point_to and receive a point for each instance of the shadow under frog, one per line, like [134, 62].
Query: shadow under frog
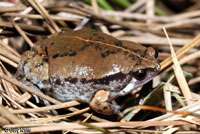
[87, 66]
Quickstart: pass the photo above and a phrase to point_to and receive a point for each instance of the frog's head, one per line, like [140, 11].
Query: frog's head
[148, 67]
[144, 69]
[33, 67]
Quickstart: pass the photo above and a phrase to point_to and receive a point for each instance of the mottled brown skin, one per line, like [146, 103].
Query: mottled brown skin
[88, 66]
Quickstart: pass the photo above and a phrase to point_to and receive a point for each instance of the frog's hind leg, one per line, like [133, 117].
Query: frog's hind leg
[100, 104]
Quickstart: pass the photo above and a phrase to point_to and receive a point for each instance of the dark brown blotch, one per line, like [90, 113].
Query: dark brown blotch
[45, 59]
[106, 53]
[118, 43]
[62, 55]
[86, 45]
[125, 52]
[98, 47]
[104, 108]
[55, 56]
[46, 50]
[132, 56]
[84, 81]
[103, 55]
[71, 80]
[58, 82]
[72, 53]
[113, 52]
[100, 38]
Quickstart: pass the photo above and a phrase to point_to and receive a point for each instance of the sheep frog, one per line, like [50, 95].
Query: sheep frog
[88, 66]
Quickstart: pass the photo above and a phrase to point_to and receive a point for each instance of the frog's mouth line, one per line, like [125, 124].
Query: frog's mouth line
[134, 83]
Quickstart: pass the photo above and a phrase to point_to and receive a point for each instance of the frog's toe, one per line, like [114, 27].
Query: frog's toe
[105, 108]
[99, 103]
[116, 108]
[47, 103]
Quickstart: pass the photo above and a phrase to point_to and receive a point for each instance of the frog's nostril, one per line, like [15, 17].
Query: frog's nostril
[158, 67]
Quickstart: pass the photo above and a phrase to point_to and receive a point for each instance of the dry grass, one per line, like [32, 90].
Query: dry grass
[177, 92]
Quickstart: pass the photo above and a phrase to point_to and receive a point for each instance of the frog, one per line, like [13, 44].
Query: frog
[88, 66]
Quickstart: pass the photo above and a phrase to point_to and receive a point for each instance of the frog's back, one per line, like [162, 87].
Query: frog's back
[90, 54]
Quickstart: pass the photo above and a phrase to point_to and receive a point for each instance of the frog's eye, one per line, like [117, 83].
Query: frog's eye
[156, 54]
[140, 74]
[38, 65]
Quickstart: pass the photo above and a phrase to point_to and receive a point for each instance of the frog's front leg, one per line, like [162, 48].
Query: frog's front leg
[100, 103]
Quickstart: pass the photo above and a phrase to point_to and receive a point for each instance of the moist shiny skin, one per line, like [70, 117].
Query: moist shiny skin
[81, 65]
